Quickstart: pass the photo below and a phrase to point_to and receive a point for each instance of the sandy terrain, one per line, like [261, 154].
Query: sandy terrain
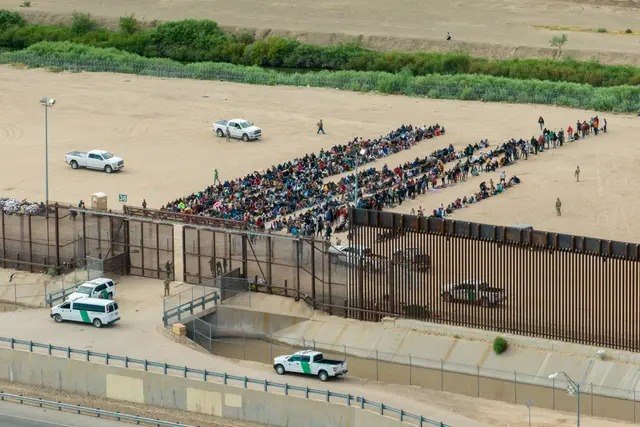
[140, 299]
[162, 130]
[484, 27]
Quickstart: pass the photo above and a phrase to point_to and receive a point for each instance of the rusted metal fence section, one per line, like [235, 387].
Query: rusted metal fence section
[549, 285]
[279, 264]
[64, 237]
[389, 222]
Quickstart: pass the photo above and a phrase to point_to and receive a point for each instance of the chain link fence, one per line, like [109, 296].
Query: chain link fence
[22, 289]
[406, 369]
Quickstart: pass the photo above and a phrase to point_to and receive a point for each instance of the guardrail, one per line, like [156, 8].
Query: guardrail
[189, 306]
[99, 413]
[245, 382]
[59, 295]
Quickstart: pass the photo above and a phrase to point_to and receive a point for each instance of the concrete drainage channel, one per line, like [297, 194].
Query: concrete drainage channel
[82, 410]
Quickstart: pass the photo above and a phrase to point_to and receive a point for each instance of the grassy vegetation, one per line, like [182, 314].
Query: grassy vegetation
[203, 41]
[627, 31]
[72, 56]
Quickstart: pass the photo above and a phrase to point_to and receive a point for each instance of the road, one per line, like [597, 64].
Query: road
[16, 415]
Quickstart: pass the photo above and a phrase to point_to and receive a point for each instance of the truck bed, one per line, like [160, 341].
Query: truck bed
[330, 362]
[222, 122]
[77, 153]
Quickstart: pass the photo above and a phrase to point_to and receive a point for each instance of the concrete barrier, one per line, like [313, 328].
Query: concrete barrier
[114, 382]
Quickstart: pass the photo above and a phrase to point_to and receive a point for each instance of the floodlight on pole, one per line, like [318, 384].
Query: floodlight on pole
[47, 103]
[576, 386]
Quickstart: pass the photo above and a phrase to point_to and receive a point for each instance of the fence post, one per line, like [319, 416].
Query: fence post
[49, 349]
[31, 346]
[306, 392]
[68, 352]
[126, 361]
[13, 341]
[106, 358]
[146, 365]
[286, 389]
[266, 386]
[224, 378]
[245, 382]
[185, 370]
[165, 369]
[204, 375]
[88, 355]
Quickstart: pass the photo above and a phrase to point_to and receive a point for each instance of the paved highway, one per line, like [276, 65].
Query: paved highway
[16, 415]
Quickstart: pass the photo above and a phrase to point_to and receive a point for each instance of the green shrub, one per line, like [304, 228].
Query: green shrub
[628, 31]
[602, 30]
[128, 24]
[203, 41]
[9, 19]
[500, 345]
[76, 56]
[82, 23]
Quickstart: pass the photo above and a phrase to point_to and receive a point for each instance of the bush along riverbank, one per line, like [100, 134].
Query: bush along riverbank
[203, 41]
[59, 56]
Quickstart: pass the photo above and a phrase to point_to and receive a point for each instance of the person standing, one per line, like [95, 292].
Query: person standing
[448, 36]
[144, 203]
[216, 178]
[558, 207]
[541, 123]
[577, 173]
[320, 127]
[228, 133]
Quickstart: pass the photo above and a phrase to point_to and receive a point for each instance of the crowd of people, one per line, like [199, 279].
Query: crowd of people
[298, 184]
[296, 196]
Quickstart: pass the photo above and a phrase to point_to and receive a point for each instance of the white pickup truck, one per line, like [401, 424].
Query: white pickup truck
[238, 128]
[94, 159]
[310, 362]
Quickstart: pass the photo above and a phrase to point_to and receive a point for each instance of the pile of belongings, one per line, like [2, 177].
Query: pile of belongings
[21, 207]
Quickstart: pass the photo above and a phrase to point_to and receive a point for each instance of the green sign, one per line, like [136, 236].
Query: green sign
[122, 198]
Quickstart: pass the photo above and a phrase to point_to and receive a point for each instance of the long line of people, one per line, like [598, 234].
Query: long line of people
[378, 189]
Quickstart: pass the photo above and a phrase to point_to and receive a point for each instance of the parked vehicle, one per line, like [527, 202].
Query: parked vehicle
[412, 258]
[310, 362]
[101, 288]
[238, 128]
[87, 310]
[351, 255]
[94, 159]
[474, 292]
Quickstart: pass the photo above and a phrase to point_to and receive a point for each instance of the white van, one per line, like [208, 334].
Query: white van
[87, 310]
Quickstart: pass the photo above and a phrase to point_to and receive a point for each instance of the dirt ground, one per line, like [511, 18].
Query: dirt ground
[484, 27]
[141, 328]
[162, 129]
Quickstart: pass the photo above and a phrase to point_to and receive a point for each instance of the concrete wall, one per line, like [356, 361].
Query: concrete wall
[88, 378]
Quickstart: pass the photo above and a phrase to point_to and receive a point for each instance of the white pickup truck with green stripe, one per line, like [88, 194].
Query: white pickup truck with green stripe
[310, 362]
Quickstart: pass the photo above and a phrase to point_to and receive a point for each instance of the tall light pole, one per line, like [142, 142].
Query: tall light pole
[362, 152]
[46, 103]
[575, 387]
